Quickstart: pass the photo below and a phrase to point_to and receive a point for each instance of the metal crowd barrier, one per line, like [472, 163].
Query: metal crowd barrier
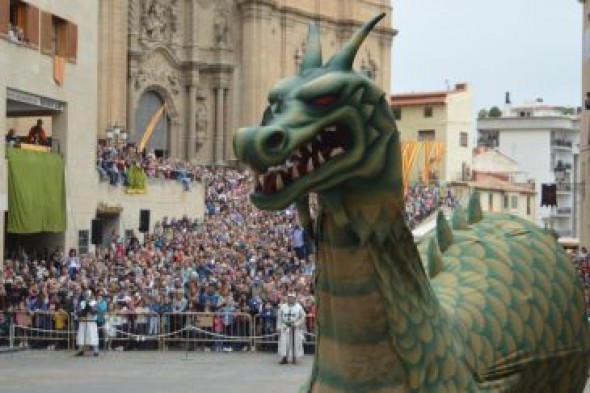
[266, 337]
[128, 330]
[122, 331]
[214, 331]
[42, 330]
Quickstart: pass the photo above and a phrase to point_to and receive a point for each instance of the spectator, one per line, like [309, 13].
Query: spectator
[37, 134]
[11, 138]
[72, 263]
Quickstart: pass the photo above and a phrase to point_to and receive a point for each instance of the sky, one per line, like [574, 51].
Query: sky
[532, 48]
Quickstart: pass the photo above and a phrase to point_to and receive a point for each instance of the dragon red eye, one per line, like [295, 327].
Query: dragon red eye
[324, 100]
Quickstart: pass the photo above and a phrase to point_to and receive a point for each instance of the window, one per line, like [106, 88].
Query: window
[397, 112]
[490, 202]
[20, 22]
[59, 38]
[489, 139]
[514, 202]
[427, 111]
[463, 139]
[426, 135]
[506, 202]
[83, 237]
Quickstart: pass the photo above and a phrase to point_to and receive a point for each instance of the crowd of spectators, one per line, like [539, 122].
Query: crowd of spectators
[114, 161]
[238, 260]
[581, 259]
[422, 200]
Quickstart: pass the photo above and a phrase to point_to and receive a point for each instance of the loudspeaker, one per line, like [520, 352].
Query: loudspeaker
[144, 221]
[96, 236]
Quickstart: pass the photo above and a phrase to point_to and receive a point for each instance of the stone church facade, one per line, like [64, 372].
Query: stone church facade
[212, 62]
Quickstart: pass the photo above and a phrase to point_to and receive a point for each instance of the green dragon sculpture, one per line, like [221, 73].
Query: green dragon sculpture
[496, 305]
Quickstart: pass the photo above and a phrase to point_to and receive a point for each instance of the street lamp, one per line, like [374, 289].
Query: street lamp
[117, 134]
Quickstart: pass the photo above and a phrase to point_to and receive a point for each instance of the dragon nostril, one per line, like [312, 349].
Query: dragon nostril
[275, 140]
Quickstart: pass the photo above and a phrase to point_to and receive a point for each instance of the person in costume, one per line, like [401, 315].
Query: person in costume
[87, 327]
[290, 323]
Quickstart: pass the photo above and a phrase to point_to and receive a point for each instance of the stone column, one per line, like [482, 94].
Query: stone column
[219, 125]
[191, 124]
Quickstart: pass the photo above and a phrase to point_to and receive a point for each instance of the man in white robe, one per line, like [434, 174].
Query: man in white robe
[290, 323]
[87, 328]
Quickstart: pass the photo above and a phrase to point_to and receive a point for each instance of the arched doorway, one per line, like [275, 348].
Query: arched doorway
[149, 104]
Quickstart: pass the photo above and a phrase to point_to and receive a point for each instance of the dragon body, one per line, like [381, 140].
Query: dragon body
[485, 304]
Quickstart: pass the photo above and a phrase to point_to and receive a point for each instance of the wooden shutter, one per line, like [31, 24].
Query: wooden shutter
[46, 33]
[32, 26]
[62, 37]
[72, 49]
[4, 16]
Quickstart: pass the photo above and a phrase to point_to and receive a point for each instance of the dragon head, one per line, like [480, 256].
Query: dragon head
[327, 129]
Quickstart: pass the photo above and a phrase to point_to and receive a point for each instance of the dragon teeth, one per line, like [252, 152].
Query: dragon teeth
[337, 151]
[310, 166]
[330, 129]
[279, 182]
[321, 158]
[295, 173]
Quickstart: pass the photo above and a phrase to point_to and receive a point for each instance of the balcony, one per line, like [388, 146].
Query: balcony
[562, 144]
[564, 188]
[562, 212]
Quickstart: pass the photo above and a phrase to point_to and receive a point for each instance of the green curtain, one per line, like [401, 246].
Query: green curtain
[36, 192]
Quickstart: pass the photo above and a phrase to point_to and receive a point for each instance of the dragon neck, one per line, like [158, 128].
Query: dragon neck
[369, 267]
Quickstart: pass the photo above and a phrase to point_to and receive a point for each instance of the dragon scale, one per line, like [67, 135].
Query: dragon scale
[488, 303]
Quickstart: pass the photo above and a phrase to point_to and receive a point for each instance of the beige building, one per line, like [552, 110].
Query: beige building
[496, 176]
[57, 80]
[29, 88]
[441, 116]
[103, 68]
[212, 63]
[583, 177]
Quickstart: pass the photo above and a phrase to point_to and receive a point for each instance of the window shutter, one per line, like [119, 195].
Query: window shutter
[32, 26]
[4, 16]
[46, 33]
[72, 51]
[62, 39]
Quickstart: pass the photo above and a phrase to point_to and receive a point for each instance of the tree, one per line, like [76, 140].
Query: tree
[482, 114]
[495, 112]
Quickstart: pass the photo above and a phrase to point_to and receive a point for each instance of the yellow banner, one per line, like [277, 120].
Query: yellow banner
[150, 128]
[409, 153]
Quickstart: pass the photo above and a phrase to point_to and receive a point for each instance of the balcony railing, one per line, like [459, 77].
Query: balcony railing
[564, 187]
[562, 143]
[564, 210]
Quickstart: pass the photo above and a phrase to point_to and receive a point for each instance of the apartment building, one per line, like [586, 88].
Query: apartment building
[543, 140]
[439, 116]
[582, 181]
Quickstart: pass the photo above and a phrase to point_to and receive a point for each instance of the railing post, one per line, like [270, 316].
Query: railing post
[11, 334]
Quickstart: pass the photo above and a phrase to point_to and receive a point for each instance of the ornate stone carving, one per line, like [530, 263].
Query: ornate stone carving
[369, 66]
[160, 21]
[133, 15]
[201, 122]
[221, 25]
[157, 70]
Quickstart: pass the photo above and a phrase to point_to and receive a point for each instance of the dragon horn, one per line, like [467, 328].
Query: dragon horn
[345, 57]
[313, 52]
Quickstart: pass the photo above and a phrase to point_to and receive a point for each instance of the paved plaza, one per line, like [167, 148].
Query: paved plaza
[149, 372]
